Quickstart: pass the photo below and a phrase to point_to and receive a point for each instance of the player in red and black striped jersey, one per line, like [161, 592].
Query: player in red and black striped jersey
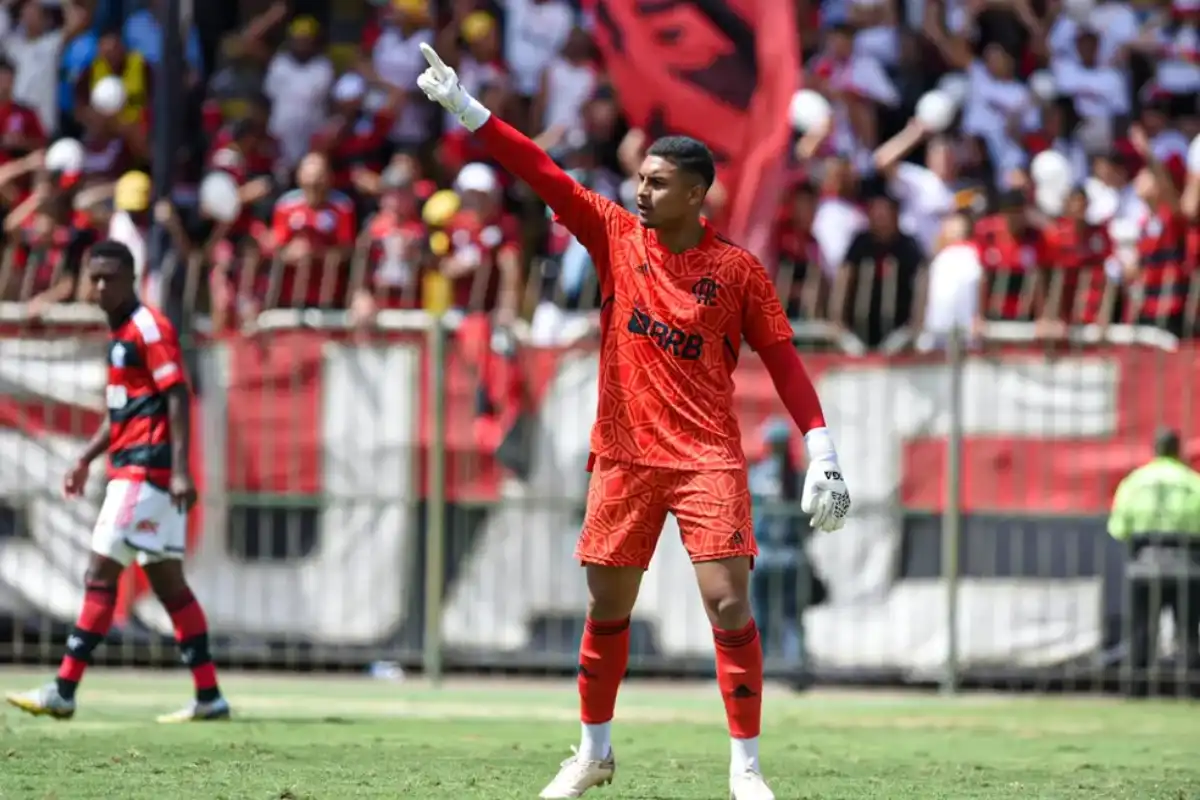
[150, 490]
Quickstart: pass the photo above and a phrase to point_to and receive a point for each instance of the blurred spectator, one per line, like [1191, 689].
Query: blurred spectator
[1158, 282]
[535, 33]
[113, 144]
[1009, 250]
[355, 139]
[881, 282]
[799, 271]
[955, 278]
[1098, 90]
[130, 222]
[1174, 43]
[33, 49]
[143, 34]
[22, 130]
[1114, 23]
[312, 235]
[298, 81]
[567, 84]
[1000, 108]
[236, 84]
[50, 238]
[1081, 273]
[396, 61]
[856, 84]
[79, 46]
[397, 248]
[480, 63]
[483, 265]
[113, 59]
[839, 217]
[925, 194]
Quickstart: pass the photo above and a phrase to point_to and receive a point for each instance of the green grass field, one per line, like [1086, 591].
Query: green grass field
[340, 738]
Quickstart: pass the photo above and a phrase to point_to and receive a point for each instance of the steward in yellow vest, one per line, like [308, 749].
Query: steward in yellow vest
[112, 59]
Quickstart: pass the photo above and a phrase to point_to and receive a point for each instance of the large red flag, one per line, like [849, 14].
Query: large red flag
[723, 71]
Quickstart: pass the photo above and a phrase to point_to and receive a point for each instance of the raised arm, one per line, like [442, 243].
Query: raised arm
[889, 154]
[584, 213]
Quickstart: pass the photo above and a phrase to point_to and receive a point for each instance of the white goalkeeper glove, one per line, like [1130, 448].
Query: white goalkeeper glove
[441, 85]
[825, 496]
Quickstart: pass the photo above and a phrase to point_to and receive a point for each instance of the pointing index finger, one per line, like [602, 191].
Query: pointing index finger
[434, 59]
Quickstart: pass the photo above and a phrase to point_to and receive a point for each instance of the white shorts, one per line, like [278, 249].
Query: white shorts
[139, 519]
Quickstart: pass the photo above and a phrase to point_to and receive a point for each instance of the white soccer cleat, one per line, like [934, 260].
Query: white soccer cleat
[749, 785]
[577, 775]
[199, 712]
[43, 702]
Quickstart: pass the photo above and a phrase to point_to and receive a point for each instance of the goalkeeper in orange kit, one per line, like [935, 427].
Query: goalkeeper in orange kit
[679, 300]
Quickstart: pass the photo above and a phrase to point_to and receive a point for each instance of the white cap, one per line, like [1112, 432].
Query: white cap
[65, 155]
[349, 87]
[476, 178]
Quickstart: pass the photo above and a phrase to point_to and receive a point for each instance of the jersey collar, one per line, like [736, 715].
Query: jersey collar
[706, 239]
[115, 322]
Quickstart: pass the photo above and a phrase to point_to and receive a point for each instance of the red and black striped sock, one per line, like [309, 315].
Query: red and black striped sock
[191, 632]
[95, 618]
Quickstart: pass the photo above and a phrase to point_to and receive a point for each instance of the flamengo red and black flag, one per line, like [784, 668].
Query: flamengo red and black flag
[723, 71]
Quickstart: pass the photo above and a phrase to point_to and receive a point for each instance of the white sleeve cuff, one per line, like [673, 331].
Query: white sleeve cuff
[819, 445]
[474, 115]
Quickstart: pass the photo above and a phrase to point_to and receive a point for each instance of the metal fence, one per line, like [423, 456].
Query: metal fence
[412, 492]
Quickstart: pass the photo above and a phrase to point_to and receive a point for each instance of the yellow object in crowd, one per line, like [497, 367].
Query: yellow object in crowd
[137, 93]
[436, 293]
[477, 25]
[440, 208]
[413, 8]
[304, 27]
[132, 192]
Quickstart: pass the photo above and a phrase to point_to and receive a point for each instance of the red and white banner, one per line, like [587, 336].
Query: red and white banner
[304, 419]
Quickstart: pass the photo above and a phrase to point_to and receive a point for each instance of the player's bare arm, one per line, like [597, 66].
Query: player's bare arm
[98, 444]
[179, 414]
[583, 212]
[96, 447]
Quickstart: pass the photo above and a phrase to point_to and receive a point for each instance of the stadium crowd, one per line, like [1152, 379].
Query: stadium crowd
[354, 193]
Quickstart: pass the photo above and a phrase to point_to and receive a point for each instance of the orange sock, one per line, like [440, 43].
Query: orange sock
[603, 658]
[740, 676]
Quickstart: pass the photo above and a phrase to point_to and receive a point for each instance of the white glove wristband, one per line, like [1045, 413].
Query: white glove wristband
[819, 445]
[474, 115]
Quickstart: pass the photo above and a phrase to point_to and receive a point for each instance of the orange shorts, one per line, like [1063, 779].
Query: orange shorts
[627, 507]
